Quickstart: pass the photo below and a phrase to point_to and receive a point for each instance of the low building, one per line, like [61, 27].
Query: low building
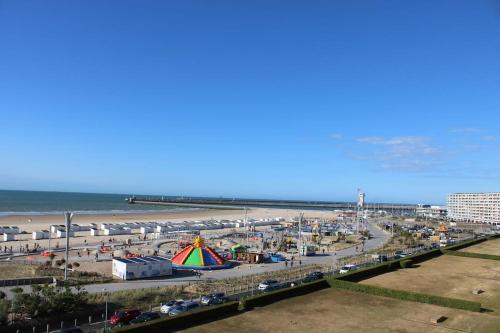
[141, 267]
[9, 230]
[431, 211]
[62, 234]
[8, 237]
[43, 234]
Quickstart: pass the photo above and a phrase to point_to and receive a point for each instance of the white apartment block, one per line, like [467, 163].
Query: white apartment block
[475, 207]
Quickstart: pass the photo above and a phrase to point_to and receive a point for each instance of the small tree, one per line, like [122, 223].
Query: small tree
[4, 311]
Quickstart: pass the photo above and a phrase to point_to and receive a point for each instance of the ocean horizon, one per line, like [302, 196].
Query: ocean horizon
[13, 202]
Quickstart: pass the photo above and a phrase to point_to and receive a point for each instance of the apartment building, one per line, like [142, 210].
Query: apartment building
[474, 207]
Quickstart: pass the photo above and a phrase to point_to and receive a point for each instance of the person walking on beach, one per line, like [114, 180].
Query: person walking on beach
[286, 263]
[96, 257]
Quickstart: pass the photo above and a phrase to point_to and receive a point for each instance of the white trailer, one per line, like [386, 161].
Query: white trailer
[146, 230]
[8, 237]
[43, 234]
[10, 230]
[117, 231]
[141, 267]
[62, 234]
[55, 227]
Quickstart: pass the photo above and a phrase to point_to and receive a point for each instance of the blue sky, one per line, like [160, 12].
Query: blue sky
[267, 99]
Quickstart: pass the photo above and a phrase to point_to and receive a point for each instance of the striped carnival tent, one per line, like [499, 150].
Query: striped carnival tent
[199, 256]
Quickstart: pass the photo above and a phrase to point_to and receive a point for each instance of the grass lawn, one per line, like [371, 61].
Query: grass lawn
[13, 271]
[333, 310]
[488, 247]
[449, 276]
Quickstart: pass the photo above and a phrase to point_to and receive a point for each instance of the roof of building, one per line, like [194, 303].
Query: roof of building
[141, 260]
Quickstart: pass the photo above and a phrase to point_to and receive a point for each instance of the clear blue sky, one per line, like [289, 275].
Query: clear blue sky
[267, 99]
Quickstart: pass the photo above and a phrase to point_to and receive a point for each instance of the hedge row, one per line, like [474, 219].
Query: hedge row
[172, 324]
[366, 273]
[406, 295]
[472, 255]
[466, 243]
[421, 257]
[278, 295]
[407, 263]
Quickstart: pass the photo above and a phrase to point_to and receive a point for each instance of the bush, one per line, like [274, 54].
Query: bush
[188, 319]
[406, 295]
[280, 294]
[407, 263]
[472, 255]
[4, 311]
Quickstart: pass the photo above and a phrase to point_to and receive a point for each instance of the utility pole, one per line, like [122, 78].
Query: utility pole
[50, 237]
[67, 217]
[300, 234]
[106, 311]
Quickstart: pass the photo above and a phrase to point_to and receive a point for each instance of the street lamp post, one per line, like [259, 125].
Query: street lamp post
[67, 217]
[106, 311]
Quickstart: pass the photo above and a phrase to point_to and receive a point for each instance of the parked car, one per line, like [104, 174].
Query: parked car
[210, 299]
[165, 308]
[146, 316]
[399, 254]
[347, 268]
[187, 306]
[312, 277]
[70, 330]
[124, 317]
[268, 285]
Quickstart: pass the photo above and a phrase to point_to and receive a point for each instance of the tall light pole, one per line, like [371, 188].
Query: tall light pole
[67, 217]
[106, 311]
[300, 236]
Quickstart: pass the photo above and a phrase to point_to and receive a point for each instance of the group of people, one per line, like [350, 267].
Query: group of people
[6, 249]
[292, 261]
[22, 248]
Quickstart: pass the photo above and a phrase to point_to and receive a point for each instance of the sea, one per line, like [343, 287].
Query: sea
[44, 203]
